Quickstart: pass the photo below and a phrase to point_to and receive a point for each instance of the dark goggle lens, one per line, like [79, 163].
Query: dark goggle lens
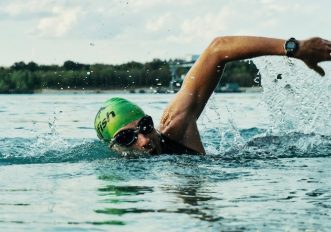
[129, 136]
[126, 137]
[146, 125]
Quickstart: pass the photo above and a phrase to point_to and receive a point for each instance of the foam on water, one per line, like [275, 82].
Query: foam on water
[255, 144]
[27, 151]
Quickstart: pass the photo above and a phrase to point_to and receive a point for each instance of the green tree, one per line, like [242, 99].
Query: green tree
[18, 66]
[32, 66]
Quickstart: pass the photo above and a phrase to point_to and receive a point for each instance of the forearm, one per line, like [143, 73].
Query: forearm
[230, 48]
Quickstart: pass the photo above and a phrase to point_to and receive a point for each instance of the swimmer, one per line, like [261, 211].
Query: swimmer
[126, 128]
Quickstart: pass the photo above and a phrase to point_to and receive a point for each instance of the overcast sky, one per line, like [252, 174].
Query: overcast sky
[117, 31]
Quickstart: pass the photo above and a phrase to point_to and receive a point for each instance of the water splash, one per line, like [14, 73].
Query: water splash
[50, 147]
[297, 99]
[19, 151]
[258, 144]
[50, 140]
[216, 119]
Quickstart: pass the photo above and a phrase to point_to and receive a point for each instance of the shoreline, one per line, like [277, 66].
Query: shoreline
[137, 90]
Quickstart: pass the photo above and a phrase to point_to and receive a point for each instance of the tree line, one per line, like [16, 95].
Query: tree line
[24, 77]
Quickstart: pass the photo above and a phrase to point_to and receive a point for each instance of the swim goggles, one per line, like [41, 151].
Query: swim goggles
[128, 137]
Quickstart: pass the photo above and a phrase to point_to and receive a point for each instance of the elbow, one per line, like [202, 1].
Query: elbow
[219, 48]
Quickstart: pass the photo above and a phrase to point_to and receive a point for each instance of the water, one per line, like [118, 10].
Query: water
[264, 170]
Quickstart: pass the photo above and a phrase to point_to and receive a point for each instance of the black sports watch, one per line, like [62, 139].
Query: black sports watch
[291, 46]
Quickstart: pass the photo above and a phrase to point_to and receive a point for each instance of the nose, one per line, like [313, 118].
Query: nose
[143, 141]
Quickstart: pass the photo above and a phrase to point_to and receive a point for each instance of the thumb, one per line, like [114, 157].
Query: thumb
[316, 68]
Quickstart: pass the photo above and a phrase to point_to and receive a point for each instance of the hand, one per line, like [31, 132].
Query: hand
[314, 50]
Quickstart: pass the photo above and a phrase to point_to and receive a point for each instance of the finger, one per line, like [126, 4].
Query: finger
[326, 41]
[327, 54]
[316, 68]
[319, 70]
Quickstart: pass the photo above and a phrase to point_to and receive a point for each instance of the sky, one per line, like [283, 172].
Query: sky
[118, 31]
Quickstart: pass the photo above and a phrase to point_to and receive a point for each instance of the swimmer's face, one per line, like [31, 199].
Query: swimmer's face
[144, 140]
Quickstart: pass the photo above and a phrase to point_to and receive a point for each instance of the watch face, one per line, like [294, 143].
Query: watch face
[291, 45]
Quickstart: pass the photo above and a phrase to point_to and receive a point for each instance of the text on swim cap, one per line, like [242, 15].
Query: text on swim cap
[101, 125]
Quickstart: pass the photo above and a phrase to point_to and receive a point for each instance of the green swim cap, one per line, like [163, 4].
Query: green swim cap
[115, 114]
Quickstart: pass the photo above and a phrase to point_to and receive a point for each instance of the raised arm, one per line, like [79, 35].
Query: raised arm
[179, 118]
[202, 78]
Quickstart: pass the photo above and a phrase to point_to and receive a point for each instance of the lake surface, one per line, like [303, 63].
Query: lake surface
[258, 174]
